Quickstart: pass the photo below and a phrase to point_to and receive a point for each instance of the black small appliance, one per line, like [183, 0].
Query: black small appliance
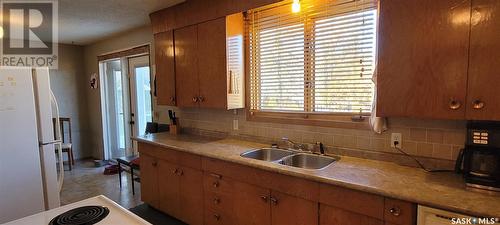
[480, 159]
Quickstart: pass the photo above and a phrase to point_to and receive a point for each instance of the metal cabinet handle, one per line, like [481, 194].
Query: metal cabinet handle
[181, 172]
[395, 211]
[274, 201]
[172, 99]
[201, 98]
[215, 184]
[477, 104]
[454, 104]
[217, 217]
[217, 176]
[264, 198]
[195, 99]
[175, 171]
[216, 200]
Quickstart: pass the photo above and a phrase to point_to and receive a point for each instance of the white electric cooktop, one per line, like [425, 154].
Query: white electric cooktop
[117, 214]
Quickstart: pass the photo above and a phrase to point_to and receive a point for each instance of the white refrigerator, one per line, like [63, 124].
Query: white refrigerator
[30, 180]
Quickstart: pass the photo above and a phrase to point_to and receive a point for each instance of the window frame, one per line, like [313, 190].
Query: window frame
[309, 118]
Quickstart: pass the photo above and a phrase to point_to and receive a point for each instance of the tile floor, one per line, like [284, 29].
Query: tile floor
[86, 181]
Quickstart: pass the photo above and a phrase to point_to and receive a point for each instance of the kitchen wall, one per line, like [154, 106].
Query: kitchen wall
[435, 141]
[68, 84]
[119, 42]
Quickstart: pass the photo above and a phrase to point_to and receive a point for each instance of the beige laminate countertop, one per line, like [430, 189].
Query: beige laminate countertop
[440, 190]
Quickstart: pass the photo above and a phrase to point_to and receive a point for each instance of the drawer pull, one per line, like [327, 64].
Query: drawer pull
[264, 198]
[395, 211]
[217, 217]
[477, 104]
[180, 173]
[216, 184]
[274, 201]
[454, 104]
[175, 171]
[217, 176]
[216, 200]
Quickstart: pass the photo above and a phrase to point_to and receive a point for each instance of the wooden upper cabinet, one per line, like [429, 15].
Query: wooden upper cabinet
[209, 64]
[483, 101]
[212, 63]
[186, 61]
[423, 58]
[165, 68]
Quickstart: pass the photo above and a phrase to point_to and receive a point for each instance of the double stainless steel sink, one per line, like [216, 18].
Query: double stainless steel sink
[291, 158]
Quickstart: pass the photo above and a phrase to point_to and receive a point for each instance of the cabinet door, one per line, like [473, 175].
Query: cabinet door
[212, 63]
[251, 205]
[186, 66]
[483, 102]
[149, 180]
[191, 197]
[422, 58]
[290, 210]
[334, 216]
[165, 68]
[169, 185]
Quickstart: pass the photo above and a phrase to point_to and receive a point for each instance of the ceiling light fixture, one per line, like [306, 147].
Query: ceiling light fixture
[296, 6]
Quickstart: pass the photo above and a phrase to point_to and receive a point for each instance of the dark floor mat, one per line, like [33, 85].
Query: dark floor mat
[154, 216]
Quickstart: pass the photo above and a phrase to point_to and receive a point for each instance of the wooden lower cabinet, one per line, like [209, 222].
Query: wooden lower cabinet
[181, 192]
[191, 197]
[251, 205]
[291, 210]
[329, 215]
[149, 180]
[200, 191]
[169, 189]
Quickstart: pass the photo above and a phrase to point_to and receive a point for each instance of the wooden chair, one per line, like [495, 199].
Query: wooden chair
[67, 146]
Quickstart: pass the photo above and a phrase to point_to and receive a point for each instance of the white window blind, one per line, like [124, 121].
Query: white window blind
[318, 60]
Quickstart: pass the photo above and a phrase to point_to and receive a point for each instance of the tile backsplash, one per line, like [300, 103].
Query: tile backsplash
[427, 139]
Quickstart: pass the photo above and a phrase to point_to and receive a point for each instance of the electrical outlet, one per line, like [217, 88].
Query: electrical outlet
[235, 124]
[396, 137]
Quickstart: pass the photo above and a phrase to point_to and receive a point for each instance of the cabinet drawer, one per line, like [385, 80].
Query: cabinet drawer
[217, 217]
[218, 201]
[359, 202]
[213, 182]
[399, 212]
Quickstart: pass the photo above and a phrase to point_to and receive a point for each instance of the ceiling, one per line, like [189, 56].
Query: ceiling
[84, 22]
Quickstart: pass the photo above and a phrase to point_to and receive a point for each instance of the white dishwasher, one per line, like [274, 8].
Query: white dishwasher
[431, 216]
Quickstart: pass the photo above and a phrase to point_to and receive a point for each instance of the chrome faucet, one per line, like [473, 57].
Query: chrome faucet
[295, 146]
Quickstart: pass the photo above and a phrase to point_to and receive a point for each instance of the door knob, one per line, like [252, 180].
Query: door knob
[477, 104]
[454, 104]
[216, 184]
[217, 217]
[195, 99]
[264, 198]
[201, 98]
[172, 99]
[216, 200]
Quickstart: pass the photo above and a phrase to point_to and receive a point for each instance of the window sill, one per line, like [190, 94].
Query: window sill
[310, 119]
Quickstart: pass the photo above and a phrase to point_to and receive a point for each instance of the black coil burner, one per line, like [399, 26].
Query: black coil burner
[86, 215]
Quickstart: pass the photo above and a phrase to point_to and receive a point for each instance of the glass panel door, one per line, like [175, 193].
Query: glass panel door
[141, 100]
[115, 111]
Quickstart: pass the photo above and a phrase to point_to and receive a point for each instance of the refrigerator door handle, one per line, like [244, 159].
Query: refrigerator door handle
[58, 143]
[49, 143]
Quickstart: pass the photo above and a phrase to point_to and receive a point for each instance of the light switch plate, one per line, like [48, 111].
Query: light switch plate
[396, 137]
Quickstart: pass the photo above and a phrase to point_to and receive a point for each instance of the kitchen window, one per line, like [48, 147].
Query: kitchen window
[318, 61]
